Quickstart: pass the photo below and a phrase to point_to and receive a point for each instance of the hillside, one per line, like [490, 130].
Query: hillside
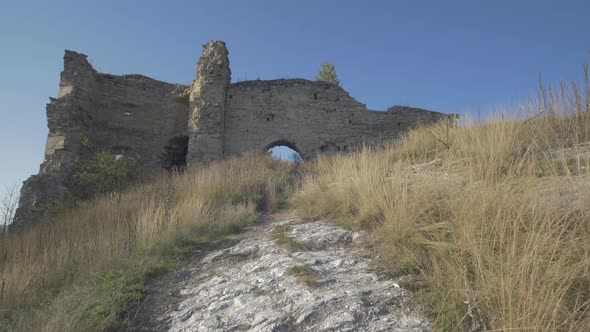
[492, 217]
[484, 226]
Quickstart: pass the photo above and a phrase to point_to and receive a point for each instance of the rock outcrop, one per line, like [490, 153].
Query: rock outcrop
[251, 287]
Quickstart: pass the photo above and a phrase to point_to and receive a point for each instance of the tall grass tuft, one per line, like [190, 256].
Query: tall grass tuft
[87, 269]
[494, 216]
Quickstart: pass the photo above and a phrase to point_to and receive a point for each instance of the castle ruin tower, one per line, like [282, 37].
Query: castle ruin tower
[65, 121]
[207, 104]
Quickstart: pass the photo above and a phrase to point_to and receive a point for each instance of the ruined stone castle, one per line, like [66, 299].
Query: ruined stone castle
[166, 125]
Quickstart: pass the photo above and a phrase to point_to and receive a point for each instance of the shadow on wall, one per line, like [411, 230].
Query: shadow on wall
[175, 153]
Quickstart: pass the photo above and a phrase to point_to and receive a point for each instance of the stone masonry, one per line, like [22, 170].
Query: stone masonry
[167, 125]
[207, 104]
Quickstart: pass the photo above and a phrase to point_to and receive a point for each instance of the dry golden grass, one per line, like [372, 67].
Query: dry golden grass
[494, 216]
[46, 271]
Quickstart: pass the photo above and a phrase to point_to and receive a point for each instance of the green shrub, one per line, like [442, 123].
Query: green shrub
[99, 171]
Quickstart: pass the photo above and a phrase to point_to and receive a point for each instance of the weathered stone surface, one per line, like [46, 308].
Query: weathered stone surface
[207, 104]
[308, 116]
[247, 287]
[133, 114]
[165, 125]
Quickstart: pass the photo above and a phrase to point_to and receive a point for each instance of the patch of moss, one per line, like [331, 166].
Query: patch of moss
[114, 292]
[305, 274]
[438, 305]
[281, 238]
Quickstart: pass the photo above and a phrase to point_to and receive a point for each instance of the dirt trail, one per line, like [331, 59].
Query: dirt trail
[281, 275]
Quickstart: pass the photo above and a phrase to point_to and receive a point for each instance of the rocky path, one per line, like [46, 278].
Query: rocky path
[281, 275]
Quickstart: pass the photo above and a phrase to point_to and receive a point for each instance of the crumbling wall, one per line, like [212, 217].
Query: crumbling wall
[132, 114]
[308, 116]
[138, 117]
[207, 104]
[164, 125]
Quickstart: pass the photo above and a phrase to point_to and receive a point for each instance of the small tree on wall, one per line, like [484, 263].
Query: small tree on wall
[328, 74]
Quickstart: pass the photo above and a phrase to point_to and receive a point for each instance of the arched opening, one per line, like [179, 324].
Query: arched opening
[284, 151]
[175, 153]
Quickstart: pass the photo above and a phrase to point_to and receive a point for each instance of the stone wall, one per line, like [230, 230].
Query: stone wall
[207, 104]
[138, 116]
[132, 115]
[165, 125]
[308, 116]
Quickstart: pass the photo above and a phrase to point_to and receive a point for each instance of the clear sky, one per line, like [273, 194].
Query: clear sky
[448, 56]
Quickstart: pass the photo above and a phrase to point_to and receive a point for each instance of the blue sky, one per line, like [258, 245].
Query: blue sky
[448, 56]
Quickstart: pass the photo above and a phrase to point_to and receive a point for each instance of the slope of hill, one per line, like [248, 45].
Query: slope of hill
[281, 274]
[493, 218]
[486, 224]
